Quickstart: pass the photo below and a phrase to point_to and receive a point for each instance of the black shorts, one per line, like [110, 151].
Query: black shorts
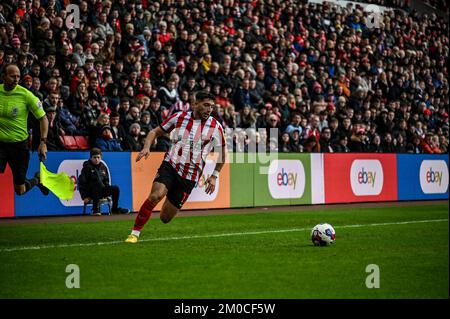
[17, 156]
[179, 188]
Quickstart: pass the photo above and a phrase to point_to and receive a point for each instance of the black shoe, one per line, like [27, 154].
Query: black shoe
[121, 211]
[44, 190]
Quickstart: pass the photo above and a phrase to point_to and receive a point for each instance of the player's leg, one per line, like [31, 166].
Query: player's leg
[114, 192]
[96, 204]
[162, 184]
[176, 198]
[18, 157]
[159, 190]
[168, 211]
[3, 157]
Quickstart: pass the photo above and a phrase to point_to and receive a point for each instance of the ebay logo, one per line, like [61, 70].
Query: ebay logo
[434, 176]
[286, 179]
[366, 177]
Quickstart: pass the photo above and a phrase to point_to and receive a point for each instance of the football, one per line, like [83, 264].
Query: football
[323, 235]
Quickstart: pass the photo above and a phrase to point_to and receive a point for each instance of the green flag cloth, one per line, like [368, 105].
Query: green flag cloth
[60, 184]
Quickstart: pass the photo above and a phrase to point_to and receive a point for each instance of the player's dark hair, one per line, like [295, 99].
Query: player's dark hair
[96, 151]
[203, 95]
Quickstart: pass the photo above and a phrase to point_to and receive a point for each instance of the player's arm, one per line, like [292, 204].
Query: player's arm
[166, 127]
[211, 181]
[34, 105]
[149, 140]
[42, 149]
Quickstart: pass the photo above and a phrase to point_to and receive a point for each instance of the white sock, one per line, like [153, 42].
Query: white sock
[136, 233]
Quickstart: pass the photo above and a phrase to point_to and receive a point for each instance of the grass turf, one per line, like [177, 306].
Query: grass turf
[412, 258]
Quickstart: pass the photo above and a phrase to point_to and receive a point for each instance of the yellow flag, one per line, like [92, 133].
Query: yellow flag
[60, 184]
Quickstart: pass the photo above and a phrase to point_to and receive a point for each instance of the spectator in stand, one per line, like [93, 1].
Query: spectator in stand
[242, 96]
[95, 129]
[247, 118]
[295, 141]
[295, 123]
[182, 105]
[133, 141]
[400, 145]
[78, 100]
[342, 147]
[106, 142]
[155, 112]
[311, 145]
[359, 141]
[89, 115]
[325, 141]
[430, 145]
[334, 130]
[313, 128]
[375, 145]
[55, 131]
[284, 145]
[118, 130]
[230, 117]
[145, 123]
[132, 117]
[415, 147]
[168, 95]
[388, 144]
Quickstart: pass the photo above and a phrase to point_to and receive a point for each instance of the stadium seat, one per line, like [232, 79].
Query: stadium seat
[82, 142]
[102, 201]
[69, 142]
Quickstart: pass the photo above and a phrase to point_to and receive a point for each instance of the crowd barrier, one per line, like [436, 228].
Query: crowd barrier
[249, 180]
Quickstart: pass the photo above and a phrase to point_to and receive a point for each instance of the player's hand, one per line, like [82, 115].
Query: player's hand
[210, 185]
[144, 153]
[86, 200]
[42, 152]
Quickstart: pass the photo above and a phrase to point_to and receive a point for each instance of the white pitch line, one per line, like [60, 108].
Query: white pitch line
[2, 250]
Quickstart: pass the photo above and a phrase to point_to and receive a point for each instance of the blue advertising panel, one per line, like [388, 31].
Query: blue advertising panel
[35, 204]
[422, 176]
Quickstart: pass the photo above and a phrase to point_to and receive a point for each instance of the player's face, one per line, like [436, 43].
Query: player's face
[96, 159]
[12, 78]
[204, 108]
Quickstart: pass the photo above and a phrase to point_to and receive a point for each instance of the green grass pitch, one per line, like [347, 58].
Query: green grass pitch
[260, 255]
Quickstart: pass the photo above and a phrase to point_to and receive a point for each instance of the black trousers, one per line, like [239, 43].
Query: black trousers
[113, 191]
[17, 156]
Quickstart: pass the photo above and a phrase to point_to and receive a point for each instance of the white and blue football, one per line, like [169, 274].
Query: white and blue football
[323, 235]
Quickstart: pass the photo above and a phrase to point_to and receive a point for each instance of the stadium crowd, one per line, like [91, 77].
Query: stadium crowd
[317, 73]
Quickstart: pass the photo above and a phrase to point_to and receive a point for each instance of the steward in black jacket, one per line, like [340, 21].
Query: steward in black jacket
[94, 184]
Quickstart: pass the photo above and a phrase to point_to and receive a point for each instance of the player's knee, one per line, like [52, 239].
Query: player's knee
[155, 198]
[165, 218]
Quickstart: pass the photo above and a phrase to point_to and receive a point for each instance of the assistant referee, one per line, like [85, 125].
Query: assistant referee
[15, 104]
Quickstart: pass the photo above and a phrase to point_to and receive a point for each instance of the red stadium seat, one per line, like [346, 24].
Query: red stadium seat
[69, 142]
[82, 142]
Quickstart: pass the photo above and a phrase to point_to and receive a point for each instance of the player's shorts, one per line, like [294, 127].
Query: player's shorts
[17, 156]
[179, 188]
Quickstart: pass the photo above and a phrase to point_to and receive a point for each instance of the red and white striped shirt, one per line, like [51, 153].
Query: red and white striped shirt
[192, 140]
